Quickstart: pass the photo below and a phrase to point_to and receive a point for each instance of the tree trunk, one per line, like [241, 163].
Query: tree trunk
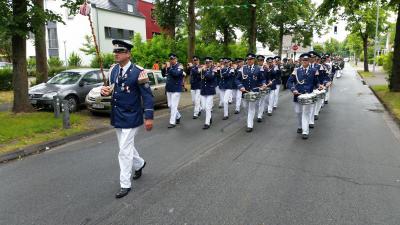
[280, 40]
[365, 46]
[40, 48]
[225, 33]
[191, 30]
[20, 76]
[253, 27]
[168, 31]
[394, 81]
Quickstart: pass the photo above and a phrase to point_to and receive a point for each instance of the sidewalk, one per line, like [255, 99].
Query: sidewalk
[379, 76]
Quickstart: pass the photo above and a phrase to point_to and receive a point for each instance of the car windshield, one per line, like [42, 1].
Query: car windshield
[65, 78]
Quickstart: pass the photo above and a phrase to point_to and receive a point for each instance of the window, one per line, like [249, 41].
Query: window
[107, 31]
[92, 78]
[151, 78]
[160, 78]
[53, 40]
[117, 33]
[130, 8]
[152, 15]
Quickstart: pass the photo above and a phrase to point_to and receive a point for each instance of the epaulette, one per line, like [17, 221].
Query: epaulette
[139, 67]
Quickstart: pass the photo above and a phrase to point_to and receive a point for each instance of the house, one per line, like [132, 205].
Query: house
[147, 9]
[112, 19]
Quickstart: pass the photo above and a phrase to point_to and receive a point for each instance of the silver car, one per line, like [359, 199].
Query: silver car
[72, 85]
[99, 104]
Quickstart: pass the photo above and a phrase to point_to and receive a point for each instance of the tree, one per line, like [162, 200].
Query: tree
[354, 44]
[191, 29]
[18, 18]
[169, 15]
[88, 46]
[5, 47]
[40, 41]
[394, 78]
[319, 48]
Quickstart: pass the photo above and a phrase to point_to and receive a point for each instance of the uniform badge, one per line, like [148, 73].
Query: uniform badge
[143, 78]
[147, 85]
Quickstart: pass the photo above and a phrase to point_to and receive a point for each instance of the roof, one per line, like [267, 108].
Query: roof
[119, 6]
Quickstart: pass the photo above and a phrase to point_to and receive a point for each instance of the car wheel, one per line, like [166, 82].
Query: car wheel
[72, 103]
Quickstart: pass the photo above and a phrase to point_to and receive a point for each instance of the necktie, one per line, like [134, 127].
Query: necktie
[119, 75]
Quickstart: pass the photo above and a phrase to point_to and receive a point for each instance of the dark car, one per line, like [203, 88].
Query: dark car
[72, 85]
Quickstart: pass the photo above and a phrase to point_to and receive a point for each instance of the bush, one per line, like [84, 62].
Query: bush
[6, 79]
[54, 62]
[55, 70]
[74, 60]
[108, 60]
[379, 60]
[31, 63]
[388, 62]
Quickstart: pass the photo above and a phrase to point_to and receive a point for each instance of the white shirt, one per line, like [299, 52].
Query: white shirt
[125, 68]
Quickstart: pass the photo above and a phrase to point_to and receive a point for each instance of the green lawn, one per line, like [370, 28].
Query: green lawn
[365, 74]
[391, 99]
[20, 130]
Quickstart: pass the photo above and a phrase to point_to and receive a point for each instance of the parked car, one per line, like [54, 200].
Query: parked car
[5, 65]
[72, 85]
[99, 104]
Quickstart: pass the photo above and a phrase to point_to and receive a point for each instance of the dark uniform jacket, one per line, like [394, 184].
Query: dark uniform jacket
[174, 78]
[127, 98]
[227, 78]
[251, 79]
[208, 82]
[303, 80]
[195, 78]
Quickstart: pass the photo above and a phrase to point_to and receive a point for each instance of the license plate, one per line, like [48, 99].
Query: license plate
[33, 102]
[98, 106]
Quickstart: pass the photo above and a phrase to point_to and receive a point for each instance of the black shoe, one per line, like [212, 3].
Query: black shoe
[275, 107]
[199, 113]
[195, 117]
[269, 114]
[205, 127]
[230, 103]
[122, 192]
[304, 136]
[311, 126]
[171, 125]
[211, 121]
[236, 112]
[259, 120]
[299, 130]
[326, 102]
[178, 121]
[316, 117]
[248, 130]
[225, 118]
[220, 107]
[138, 173]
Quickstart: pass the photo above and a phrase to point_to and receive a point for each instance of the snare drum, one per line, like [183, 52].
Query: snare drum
[265, 92]
[307, 99]
[320, 93]
[252, 96]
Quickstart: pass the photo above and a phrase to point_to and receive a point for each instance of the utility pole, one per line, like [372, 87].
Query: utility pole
[376, 34]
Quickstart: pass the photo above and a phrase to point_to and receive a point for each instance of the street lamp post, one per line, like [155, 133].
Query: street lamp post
[376, 33]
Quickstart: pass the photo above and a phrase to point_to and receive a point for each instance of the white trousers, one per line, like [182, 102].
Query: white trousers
[173, 103]
[328, 93]
[271, 100]
[218, 91]
[276, 93]
[313, 106]
[127, 156]
[225, 94]
[238, 99]
[196, 101]
[318, 106]
[251, 112]
[303, 116]
[261, 106]
[207, 104]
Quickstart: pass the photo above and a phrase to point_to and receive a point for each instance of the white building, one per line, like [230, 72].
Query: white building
[112, 19]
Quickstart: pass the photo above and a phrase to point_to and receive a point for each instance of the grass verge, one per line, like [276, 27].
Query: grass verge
[390, 99]
[21, 130]
[365, 74]
[6, 96]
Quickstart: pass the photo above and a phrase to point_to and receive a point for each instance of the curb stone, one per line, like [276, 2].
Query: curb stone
[45, 146]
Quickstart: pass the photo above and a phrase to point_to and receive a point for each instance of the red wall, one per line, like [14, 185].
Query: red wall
[151, 25]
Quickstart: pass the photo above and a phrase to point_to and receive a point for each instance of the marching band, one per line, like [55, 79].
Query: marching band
[254, 84]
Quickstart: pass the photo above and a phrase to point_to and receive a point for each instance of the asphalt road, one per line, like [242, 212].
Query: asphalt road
[347, 172]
